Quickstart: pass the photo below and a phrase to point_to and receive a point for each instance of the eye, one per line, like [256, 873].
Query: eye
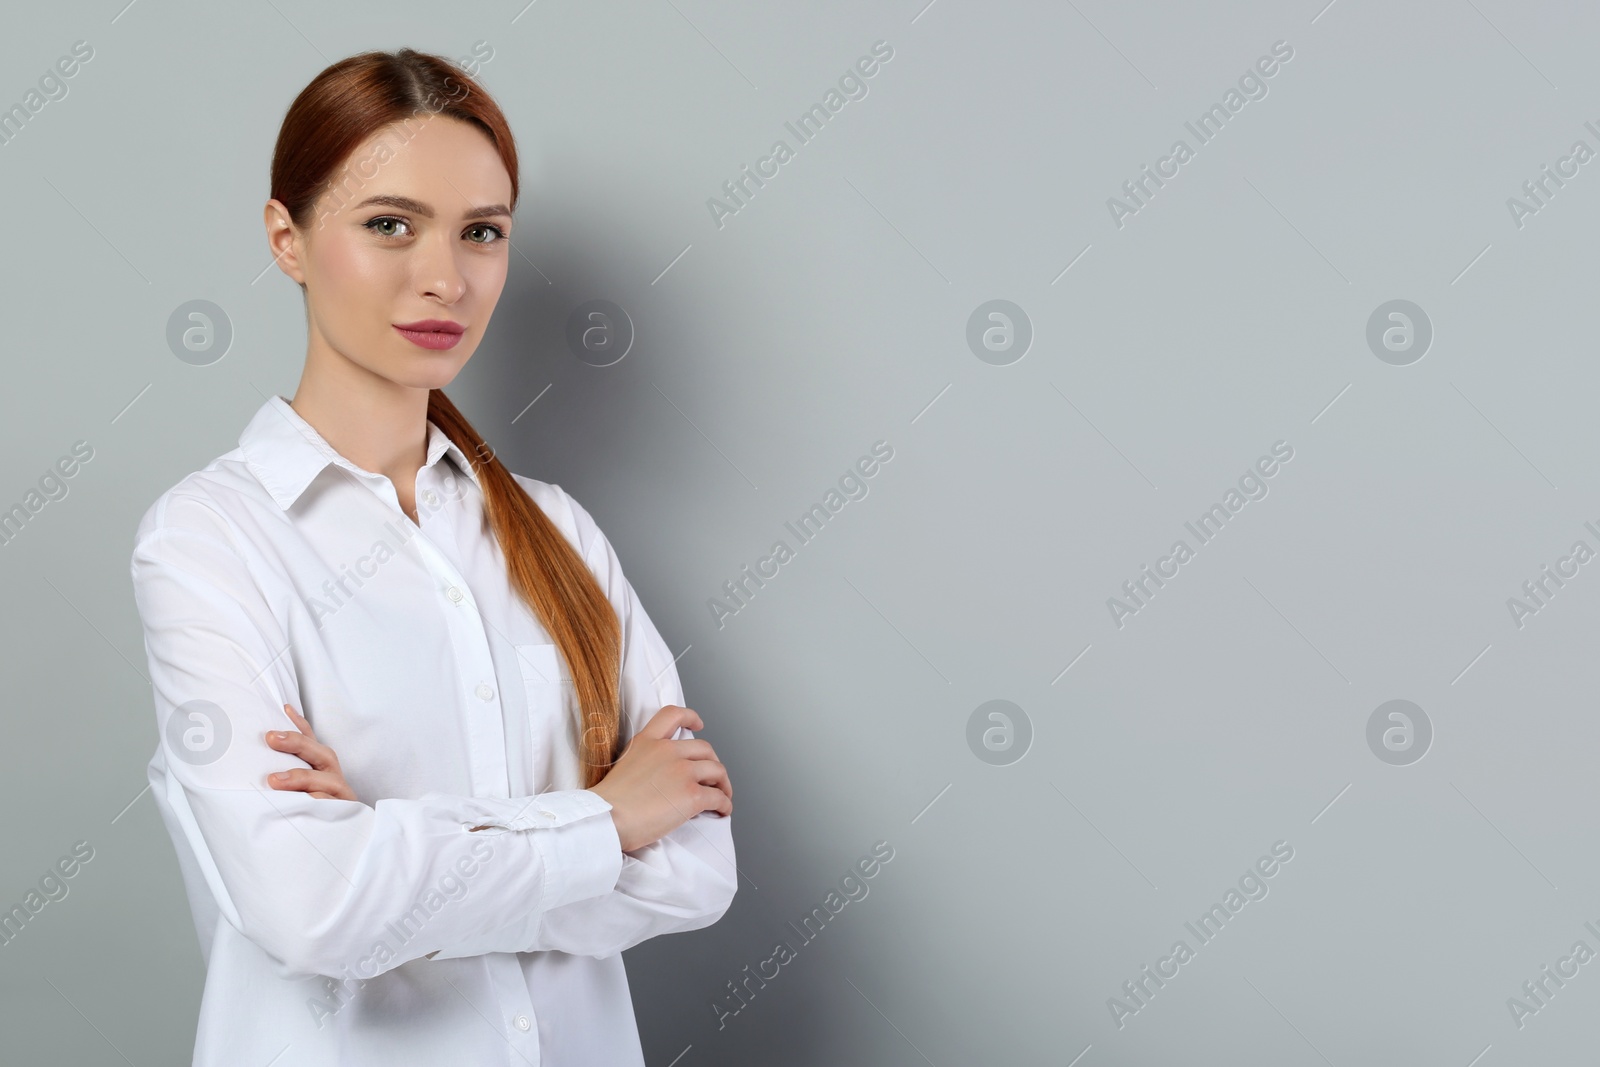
[382, 220]
[499, 234]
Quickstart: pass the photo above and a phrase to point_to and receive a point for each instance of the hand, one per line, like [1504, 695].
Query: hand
[660, 784]
[325, 779]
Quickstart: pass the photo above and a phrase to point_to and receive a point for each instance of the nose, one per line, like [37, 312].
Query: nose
[438, 274]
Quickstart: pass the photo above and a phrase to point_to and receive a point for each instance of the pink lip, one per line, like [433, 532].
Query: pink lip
[436, 334]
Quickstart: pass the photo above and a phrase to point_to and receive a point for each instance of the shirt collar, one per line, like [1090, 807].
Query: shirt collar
[286, 453]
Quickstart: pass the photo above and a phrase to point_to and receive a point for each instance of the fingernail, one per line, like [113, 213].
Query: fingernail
[281, 776]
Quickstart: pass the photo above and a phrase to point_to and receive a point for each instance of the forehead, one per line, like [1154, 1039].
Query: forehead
[443, 162]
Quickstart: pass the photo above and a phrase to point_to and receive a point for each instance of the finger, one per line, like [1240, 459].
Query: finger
[300, 722]
[665, 722]
[694, 748]
[303, 781]
[318, 755]
[314, 783]
[714, 774]
[712, 799]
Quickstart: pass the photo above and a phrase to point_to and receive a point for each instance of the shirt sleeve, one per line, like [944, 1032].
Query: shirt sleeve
[318, 882]
[683, 881]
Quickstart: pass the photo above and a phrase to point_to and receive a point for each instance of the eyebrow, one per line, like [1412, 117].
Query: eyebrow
[417, 207]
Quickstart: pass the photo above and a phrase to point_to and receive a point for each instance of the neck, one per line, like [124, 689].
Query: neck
[375, 423]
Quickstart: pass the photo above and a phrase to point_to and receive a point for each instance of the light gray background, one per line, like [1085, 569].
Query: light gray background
[1230, 313]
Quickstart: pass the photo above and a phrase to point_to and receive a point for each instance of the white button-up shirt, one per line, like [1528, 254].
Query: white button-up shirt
[387, 931]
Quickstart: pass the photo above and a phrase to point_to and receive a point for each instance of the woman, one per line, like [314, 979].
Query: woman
[494, 789]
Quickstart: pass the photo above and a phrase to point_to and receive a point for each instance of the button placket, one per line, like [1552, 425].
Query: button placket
[486, 751]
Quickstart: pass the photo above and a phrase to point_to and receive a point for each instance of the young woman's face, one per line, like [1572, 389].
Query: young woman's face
[414, 229]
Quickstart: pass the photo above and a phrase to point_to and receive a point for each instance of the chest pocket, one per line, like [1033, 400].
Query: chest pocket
[551, 708]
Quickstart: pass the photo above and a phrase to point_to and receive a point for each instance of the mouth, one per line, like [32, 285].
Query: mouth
[434, 334]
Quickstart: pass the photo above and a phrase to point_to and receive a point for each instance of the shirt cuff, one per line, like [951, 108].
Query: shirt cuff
[572, 832]
[578, 841]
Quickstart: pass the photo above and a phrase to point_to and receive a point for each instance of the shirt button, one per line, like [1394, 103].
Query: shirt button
[547, 814]
[454, 594]
[431, 497]
[485, 692]
[522, 1022]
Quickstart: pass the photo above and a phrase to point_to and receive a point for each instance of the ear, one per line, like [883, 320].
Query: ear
[284, 241]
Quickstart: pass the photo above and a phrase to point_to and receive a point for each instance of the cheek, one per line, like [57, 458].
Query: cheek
[355, 284]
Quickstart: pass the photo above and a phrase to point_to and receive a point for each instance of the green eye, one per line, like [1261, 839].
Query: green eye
[377, 224]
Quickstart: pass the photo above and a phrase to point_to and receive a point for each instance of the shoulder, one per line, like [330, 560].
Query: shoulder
[571, 517]
[209, 502]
